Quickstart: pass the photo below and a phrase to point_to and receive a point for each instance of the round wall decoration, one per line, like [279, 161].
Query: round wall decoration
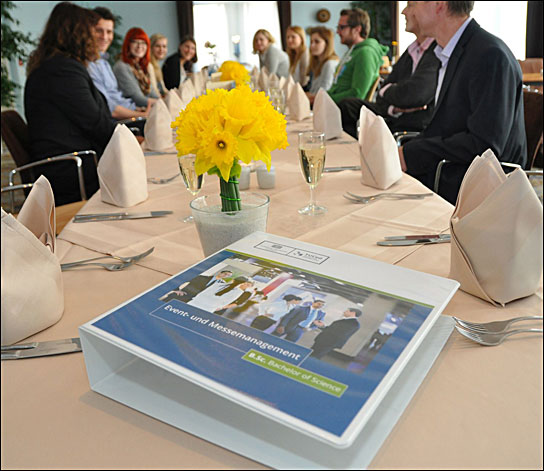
[323, 15]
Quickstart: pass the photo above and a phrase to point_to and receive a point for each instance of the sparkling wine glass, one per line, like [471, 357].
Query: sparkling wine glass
[311, 148]
[193, 182]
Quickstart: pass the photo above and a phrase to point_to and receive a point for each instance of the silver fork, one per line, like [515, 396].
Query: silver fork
[160, 181]
[107, 266]
[490, 339]
[398, 196]
[495, 327]
[132, 259]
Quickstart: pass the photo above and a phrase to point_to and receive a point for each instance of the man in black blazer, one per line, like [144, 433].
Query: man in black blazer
[406, 98]
[479, 100]
[337, 334]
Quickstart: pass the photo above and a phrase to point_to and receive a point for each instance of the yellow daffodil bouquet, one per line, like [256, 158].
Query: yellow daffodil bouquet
[223, 128]
[231, 70]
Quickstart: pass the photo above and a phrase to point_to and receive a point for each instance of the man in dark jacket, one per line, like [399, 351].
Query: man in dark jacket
[337, 334]
[406, 97]
[300, 319]
[479, 100]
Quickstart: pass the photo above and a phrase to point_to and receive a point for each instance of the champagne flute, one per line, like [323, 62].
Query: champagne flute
[311, 148]
[193, 182]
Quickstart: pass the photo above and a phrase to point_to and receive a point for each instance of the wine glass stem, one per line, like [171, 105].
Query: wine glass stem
[313, 201]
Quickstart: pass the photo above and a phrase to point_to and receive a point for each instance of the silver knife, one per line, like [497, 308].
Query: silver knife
[41, 349]
[340, 169]
[415, 237]
[397, 243]
[118, 216]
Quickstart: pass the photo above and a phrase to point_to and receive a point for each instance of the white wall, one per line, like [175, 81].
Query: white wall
[507, 20]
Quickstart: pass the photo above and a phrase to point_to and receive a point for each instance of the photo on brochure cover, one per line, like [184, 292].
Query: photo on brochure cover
[344, 324]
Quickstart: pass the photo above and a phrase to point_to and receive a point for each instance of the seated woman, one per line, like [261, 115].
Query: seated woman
[323, 60]
[298, 54]
[159, 49]
[134, 71]
[178, 66]
[274, 59]
[64, 110]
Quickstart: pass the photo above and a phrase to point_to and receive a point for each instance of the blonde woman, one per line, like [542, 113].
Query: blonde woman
[323, 60]
[299, 57]
[274, 59]
[159, 49]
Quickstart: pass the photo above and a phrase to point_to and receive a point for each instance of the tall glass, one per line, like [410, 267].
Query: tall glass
[311, 148]
[277, 97]
[193, 182]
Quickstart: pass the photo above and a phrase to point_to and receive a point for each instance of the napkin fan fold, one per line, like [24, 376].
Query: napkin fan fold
[121, 170]
[32, 289]
[157, 130]
[327, 115]
[299, 104]
[173, 103]
[380, 164]
[496, 233]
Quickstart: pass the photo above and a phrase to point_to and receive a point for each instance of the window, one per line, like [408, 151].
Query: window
[220, 23]
[507, 20]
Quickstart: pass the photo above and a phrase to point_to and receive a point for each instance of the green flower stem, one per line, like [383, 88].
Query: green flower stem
[230, 195]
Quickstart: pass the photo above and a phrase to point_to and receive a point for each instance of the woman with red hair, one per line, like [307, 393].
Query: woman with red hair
[134, 71]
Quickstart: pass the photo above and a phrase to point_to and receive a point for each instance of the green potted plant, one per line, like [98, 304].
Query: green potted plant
[14, 45]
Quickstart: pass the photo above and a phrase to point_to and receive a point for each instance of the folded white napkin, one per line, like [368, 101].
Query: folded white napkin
[282, 82]
[121, 170]
[327, 116]
[32, 290]
[186, 92]
[380, 164]
[288, 87]
[262, 81]
[496, 233]
[157, 130]
[173, 103]
[299, 105]
[273, 80]
[38, 213]
[199, 83]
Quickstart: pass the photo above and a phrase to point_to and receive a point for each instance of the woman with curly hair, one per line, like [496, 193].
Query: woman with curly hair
[298, 54]
[134, 72]
[64, 110]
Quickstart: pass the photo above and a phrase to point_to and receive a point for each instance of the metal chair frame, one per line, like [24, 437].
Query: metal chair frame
[401, 136]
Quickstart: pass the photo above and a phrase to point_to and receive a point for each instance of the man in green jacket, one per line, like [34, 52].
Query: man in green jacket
[360, 66]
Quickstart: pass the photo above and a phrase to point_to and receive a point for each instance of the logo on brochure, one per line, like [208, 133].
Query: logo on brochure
[292, 252]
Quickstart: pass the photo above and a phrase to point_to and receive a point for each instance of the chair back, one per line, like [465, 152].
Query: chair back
[531, 65]
[15, 135]
[532, 105]
[372, 91]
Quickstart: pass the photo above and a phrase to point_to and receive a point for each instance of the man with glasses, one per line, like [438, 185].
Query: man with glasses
[406, 98]
[360, 66]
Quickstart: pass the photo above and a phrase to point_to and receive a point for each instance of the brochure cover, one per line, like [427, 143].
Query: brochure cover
[307, 336]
